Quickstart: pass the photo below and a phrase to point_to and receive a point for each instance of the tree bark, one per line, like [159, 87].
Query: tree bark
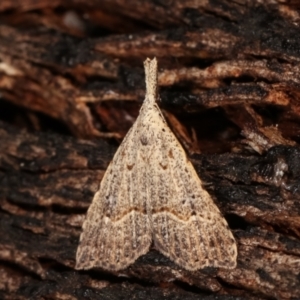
[229, 85]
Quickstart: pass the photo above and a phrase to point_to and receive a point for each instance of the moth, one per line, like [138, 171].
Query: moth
[151, 193]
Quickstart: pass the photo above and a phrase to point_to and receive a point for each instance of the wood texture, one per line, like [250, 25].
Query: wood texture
[229, 83]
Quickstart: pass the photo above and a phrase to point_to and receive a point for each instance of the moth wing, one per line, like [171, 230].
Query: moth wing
[187, 225]
[117, 229]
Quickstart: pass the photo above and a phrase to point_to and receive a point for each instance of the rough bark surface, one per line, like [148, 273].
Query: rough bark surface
[229, 83]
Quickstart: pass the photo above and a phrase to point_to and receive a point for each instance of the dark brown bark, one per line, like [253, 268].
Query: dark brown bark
[229, 85]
